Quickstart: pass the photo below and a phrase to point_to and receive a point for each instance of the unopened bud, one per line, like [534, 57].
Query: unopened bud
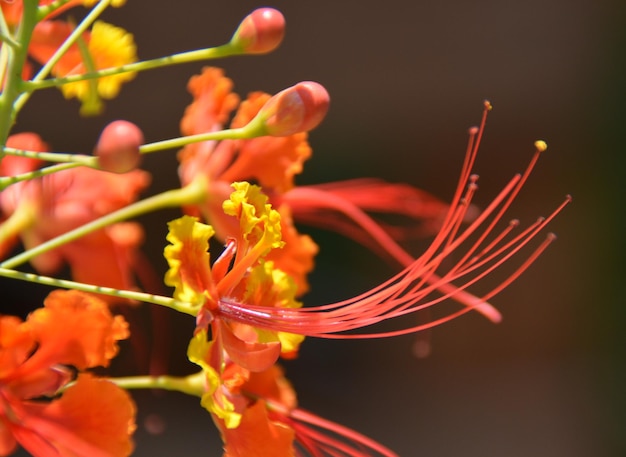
[118, 147]
[260, 32]
[299, 108]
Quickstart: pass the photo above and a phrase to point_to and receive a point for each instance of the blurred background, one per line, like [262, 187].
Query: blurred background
[407, 79]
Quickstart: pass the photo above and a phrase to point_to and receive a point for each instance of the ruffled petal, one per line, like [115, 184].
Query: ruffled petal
[188, 258]
[93, 417]
[213, 102]
[215, 398]
[74, 328]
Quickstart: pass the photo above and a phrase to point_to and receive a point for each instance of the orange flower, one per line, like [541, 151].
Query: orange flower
[92, 417]
[271, 161]
[242, 272]
[48, 207]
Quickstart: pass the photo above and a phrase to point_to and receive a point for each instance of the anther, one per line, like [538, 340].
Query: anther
[541, 145]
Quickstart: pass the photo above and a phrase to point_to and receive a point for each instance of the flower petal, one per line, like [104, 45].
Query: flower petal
[74, 328]
[251, 355]
[93, 417]
[188, 258]
[272, 161]
[258, 435]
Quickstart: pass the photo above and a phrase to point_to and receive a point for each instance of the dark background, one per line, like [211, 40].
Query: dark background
[407, 78]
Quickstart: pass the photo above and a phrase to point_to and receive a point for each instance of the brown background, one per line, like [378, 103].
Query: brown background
[407, 78]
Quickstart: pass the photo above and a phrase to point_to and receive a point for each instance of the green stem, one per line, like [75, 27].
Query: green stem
[191, 385]
[250, 130]
[76, 33]
[16, 59]
[5, 32]
[59, 157]
[193, 193]
[6, 181]
[22, 217]
[50, 8]
[7, 37]
[225, 50]
[168, 302]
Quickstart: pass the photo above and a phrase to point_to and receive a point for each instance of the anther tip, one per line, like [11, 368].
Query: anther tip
[488, 105]
[541, 145]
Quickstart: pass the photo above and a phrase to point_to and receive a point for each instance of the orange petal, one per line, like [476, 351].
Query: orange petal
[213, 102]
[271, 384]
[115, 248]
[252, 356]
[272, 161]
[16, 344]
[47, 37]
[73, 328]
[13, 165]
[258, 436]
[7, 440]
[93, 417]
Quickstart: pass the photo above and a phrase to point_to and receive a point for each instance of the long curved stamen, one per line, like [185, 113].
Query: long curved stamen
[409, 291]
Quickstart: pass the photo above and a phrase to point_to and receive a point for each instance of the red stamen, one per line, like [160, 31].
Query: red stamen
[410, 290]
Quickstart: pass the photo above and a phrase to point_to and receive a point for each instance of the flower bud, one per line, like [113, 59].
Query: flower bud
[260, 32]
[118, 147]
[299, 108]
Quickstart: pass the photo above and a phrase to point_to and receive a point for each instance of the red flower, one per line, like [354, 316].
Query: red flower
[92, 417]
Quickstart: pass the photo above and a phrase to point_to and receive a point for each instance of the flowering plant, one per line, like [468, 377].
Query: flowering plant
[238, 159]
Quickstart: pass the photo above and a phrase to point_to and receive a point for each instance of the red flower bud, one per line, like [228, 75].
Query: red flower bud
[260, 32]
[118, 147]
[299, 108]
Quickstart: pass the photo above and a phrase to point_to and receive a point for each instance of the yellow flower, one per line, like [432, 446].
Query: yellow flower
[108, 46]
